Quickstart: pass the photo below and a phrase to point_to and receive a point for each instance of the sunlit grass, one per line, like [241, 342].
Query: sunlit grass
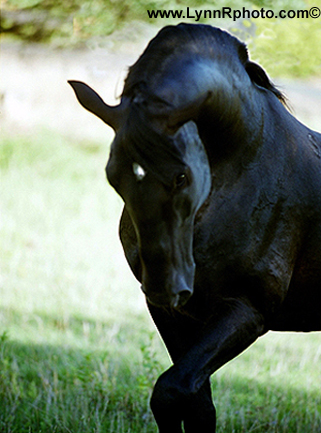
[59, 229]
[273, 387]
[78, 352]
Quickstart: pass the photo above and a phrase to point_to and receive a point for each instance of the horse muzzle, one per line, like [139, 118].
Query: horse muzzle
[173, 295]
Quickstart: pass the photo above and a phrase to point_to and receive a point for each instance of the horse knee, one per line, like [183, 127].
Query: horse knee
[168, 395]
[176, 400]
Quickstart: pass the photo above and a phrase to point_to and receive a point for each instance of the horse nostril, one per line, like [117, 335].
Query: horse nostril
[180, 298]
[184, 296]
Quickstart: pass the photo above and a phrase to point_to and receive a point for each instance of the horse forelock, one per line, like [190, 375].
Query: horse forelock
[153, 150]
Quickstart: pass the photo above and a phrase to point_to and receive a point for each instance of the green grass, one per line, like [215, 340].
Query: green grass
[78, 352]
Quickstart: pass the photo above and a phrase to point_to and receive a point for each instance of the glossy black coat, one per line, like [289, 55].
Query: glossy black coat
[252, 242]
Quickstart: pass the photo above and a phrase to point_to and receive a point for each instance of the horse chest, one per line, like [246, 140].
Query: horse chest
[237, 256]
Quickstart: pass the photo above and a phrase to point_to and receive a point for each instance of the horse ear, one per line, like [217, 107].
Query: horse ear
[259, 77]
[257, 74]
[90, 100]
[191, 111]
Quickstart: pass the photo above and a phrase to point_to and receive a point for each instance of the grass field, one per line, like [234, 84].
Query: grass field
[78, 351]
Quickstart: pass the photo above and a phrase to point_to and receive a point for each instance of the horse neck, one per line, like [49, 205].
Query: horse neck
[231, 115]
[263, 136]
[237, 119]
[233, 125]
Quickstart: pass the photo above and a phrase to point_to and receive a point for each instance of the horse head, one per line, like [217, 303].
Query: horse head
[159, 166]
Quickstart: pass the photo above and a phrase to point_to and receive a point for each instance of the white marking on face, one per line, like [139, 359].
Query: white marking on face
[139, 172]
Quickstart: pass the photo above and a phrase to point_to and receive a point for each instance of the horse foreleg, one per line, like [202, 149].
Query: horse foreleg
[199, 412]
[202, 414]
[181, 394]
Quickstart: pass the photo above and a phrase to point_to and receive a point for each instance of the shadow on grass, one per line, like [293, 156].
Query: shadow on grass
[91, 378]
[59, 389]
[75, 374]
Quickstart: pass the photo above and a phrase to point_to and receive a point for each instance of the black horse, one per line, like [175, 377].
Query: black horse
[222, 216]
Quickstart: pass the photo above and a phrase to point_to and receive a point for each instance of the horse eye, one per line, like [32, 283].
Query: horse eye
[180, 180]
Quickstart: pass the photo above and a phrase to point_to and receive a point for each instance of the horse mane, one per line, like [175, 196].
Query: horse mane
[259, 77]
[200, 40]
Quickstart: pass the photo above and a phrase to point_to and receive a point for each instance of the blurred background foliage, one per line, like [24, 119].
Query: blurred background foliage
[287, 47]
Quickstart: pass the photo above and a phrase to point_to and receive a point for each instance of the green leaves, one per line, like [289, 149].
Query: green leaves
[284, 46]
